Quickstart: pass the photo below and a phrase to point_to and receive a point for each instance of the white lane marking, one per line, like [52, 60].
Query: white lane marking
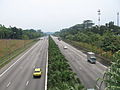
[27, 83]
[97, 86]
[16, 61]
[8, 84]
[46, 72]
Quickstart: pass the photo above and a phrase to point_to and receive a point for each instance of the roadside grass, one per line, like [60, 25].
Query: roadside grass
[9, 49]
[60, 75]
[9, 45]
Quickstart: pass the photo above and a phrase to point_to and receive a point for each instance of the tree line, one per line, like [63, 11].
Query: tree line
[18, 33]
[106, 37]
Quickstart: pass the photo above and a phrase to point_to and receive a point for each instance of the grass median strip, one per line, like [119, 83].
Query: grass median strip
[60, 75]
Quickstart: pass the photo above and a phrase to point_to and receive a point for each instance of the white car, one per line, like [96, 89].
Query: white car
[91, 89]
[41, 38]
[65, 47]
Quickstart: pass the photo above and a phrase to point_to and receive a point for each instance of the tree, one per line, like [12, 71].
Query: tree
[110, 42]
[87, 24]
[70, 37]
[25, 37]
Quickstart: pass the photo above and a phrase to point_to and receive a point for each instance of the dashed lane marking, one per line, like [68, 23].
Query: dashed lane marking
[8, 84]
[27, 83]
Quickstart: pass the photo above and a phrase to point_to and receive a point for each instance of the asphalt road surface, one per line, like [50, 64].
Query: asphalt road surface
[17, 75]
[86, 72]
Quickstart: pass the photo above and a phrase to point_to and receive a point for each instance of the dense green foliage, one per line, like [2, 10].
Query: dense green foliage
[60, 76]
[106, 37]
[18, 33]
[112, 75]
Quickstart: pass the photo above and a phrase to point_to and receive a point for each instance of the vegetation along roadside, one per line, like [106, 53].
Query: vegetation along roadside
[9, 49]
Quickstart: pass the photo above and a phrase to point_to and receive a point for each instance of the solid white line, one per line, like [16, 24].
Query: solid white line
[8, 84]
[46, 72]
[97, 86]
[102, 65]
[16, 61]
[27, 83]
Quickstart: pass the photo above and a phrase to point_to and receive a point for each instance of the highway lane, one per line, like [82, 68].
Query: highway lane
[19, 76]
[86, 72]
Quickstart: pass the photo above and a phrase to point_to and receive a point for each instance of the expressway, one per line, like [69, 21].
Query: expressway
[86, 72]
[17, 75]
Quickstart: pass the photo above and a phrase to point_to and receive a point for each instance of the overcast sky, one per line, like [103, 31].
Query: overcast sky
[54, 15]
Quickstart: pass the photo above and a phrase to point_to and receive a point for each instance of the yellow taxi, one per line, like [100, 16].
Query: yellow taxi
[37, 72]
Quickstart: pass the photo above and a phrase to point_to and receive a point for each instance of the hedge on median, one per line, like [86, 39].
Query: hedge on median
[60, 76]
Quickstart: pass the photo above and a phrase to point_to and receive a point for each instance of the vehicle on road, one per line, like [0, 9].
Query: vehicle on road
[65, 47]
[37, 72]
[91, 89]
[59, 38]
[91, 57]
[41, 38]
